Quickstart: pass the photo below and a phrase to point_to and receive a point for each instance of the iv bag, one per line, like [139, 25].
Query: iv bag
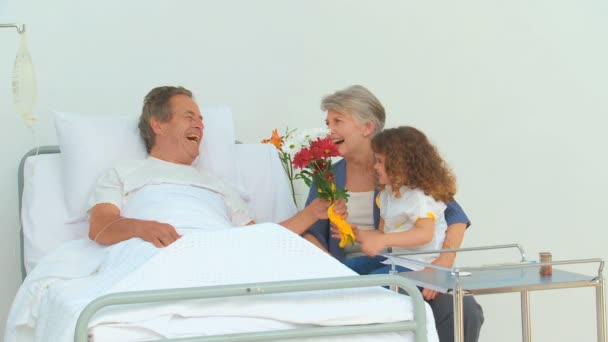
[24, 83]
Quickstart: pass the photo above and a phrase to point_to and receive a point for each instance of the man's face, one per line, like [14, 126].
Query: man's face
[181, 136]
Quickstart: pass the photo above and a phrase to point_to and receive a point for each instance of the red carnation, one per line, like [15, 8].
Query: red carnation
[323, 148]
[302, 158]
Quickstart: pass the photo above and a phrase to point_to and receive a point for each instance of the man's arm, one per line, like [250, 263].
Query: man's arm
[314, 211]
[312, 239]
[107, 227]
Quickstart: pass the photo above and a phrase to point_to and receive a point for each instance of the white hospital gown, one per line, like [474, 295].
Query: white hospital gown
[400, 214]
[153, 188]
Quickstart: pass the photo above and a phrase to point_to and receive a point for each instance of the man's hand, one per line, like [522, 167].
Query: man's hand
[107, 227]
[159, 234]
[314, 211]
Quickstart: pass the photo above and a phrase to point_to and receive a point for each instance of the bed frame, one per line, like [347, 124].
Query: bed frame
[417, 326]
[49, 149]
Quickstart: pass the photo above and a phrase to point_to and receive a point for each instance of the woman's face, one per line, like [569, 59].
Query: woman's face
[380, 167]
[347, 133]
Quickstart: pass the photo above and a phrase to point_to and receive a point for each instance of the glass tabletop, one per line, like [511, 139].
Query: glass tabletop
[498, 281]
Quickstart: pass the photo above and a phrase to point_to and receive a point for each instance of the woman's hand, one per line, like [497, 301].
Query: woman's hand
[318, 208]
[340, 208]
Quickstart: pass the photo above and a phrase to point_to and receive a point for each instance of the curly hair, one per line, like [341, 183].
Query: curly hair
[411, 160]
[156, 105]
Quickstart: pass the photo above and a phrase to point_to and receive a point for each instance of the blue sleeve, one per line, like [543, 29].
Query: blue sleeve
[455, 214]
[320, 229]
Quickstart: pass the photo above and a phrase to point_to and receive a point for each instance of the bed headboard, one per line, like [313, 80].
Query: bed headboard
[20, 179]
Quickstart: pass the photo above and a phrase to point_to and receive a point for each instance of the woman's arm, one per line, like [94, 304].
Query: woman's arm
[453, 239]
[454, 214]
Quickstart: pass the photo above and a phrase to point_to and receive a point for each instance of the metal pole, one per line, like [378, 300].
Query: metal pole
[20, 27]
[526, 335]
[458, 319]
[600, 307]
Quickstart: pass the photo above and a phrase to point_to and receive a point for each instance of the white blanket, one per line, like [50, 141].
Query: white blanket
[54, 294]
[58, 289]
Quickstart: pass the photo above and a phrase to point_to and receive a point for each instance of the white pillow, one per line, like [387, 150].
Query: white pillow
[266, 187]
[44, 213]
[216, 154]
[92, 144]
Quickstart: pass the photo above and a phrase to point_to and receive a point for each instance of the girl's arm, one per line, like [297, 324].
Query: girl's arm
[421, 234]
[374, 242]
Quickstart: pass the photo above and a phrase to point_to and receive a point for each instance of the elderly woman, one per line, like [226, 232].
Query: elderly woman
[354, 115]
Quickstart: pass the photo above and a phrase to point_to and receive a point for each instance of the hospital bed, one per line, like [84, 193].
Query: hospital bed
[44, 230]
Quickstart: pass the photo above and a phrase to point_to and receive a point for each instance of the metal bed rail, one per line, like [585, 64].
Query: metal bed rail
[418, 325]
[49, 149]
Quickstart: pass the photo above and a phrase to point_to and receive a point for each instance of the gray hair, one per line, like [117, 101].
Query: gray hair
[359, 102]
[156, 105]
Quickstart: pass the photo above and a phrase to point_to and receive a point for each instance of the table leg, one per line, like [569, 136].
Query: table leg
[526, 335]
[600, 307]
[458, 319]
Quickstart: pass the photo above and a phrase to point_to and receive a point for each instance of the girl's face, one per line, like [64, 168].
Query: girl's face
[380, 167]
[347, 133]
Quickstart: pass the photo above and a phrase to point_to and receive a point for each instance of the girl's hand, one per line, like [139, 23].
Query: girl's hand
[372, 241]
[335, 233]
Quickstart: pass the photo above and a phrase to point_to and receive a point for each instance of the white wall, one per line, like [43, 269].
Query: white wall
[512, 92]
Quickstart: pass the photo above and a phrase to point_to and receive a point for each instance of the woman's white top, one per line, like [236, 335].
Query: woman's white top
[400, 214]
[360, 214]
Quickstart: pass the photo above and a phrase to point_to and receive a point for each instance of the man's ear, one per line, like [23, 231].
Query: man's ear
[156, 125]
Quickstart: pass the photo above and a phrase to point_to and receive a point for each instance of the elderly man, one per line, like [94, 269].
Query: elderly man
[172, 128]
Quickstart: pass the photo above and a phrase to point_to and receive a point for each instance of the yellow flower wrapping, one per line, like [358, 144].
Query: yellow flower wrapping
[347, 237]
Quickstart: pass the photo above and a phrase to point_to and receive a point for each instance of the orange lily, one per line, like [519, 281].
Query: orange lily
[275, 139]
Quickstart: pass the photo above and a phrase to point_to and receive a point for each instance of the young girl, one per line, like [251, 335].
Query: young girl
[415, 183]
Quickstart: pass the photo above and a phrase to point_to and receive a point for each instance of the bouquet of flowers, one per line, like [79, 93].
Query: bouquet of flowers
[288, 144]
[313, 153]
[315, 162]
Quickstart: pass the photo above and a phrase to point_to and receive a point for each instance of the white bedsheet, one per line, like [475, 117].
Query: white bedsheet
[57, 290]
[52, 297]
